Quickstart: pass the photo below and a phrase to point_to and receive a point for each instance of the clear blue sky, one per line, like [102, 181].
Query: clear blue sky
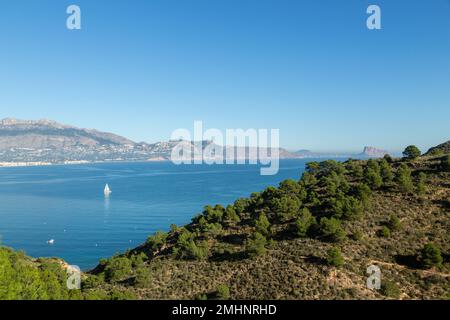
[310, 68]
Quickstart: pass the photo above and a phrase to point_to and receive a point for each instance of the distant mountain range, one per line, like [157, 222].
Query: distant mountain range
[49, 142]
[50, 134]
[368, 152]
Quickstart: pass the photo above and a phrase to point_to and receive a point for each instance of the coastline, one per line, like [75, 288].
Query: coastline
[158, 159]
[46, 164]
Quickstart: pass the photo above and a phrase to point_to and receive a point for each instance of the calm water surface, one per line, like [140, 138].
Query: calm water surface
[66, 203]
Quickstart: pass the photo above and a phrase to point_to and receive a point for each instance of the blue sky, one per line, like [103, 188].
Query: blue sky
[310, 68]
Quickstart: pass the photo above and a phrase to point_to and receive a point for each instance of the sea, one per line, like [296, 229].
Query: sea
[66, 203]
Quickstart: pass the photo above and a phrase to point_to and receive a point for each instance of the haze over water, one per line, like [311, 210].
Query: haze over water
[67, 204]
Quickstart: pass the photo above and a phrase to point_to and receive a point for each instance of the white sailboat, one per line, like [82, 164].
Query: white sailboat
[107, 190]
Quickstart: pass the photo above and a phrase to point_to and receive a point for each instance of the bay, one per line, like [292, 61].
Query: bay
[67, 204]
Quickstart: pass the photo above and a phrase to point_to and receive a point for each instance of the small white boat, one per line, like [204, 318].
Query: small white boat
[107, 190]
[51, 241]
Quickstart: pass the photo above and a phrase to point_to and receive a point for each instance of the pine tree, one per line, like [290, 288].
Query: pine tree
[421, 183]
[431, 256]
[304, 222]
[334, 257]
[386, 171]
[411, 152]
[403, 178]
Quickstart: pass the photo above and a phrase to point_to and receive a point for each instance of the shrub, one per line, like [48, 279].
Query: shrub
[348, 208]
[373, 164]
[122, 295]
[390, 289]
[285, 207]
[304, 222]
[403, 178]
[334, 257]
[201, 221]
[118, 268]
[411, 152]
[137, 260]
[223, 249]
[335, 183]
[386, 171]
[93, 281]
[187, 248]
[331, 229]
[212, 228]
[157, 240]
[255, 245]
[388, 158]
[184, 237]
[394, 223]
[143, 278]
[231, 215]
[308, 179]
[96, 294]
[421, 183]
[289, 187]
[435, 152]
[193, 251]
[385, 232]
[355, 168]
[240, 205]
[262, 224]
[222, 293]
[431, 256]
[313, 198]
[363, 193]
[445, 162]
[328, 166]
[312, 167]
[213, 214]
[372, 178]
[21, 279]
[357, 235]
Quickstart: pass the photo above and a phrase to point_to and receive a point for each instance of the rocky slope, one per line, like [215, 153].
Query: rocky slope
[443, 148]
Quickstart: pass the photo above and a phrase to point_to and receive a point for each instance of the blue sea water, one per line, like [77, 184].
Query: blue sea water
[66, 203]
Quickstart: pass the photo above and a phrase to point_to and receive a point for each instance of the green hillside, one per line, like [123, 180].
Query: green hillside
[308, 239]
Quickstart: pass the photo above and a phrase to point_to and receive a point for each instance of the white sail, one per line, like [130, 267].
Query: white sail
[107, 190]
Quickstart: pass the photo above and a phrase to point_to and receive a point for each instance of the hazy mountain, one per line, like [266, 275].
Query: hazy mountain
[16, 133]
[312, 154]
[373, 152]
[47, 141]
[304, 153]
